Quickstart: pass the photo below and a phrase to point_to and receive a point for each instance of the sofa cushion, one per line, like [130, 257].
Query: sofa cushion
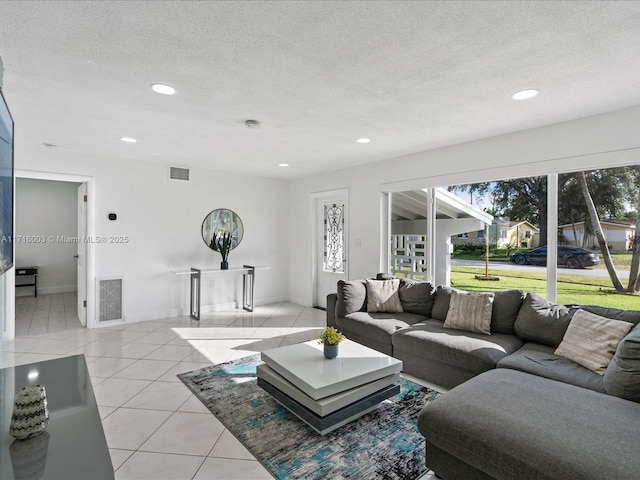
[473, 352]
[371, 324]
[622, 377]
[375, 329]
[382, 296]
[591, 340]
[540, 360]
[441, 303]
[506, 305]
[416, 297]
[470, 312]
[352, 297]
[511, 425]
[541, 321]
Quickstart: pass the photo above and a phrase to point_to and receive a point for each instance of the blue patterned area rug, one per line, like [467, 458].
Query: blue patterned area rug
[383, 444]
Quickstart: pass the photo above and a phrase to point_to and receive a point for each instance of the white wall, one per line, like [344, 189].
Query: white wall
[46, 209]
[603, 140]
[162, 219]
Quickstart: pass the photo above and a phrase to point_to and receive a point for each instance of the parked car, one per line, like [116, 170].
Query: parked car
[570, 257]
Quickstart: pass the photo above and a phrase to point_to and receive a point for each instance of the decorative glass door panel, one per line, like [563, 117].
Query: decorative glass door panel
[334, 251]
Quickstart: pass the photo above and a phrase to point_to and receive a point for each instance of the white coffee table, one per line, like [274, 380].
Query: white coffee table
[327, 394]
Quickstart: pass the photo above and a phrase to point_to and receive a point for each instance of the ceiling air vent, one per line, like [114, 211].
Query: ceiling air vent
[179, 173]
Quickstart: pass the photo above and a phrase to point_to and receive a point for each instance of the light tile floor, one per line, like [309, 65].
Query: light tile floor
[48, 313]
[155, 427]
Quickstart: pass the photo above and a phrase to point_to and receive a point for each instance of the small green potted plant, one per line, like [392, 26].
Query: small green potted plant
[222, 244]
[330, 338]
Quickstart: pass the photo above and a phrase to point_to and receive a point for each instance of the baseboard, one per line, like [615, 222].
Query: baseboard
[180, 312]
[299, 301]
[28, 291]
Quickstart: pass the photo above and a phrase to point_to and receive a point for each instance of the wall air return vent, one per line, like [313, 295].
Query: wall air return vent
[109, 295]
[181, 174]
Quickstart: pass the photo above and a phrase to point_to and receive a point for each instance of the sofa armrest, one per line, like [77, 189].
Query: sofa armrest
[332, 298]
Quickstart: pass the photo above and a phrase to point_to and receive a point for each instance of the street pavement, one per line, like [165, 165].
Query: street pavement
[597, 272]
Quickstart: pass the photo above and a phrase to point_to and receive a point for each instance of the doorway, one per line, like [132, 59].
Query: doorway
[47, 238]
[330, 241]
[85, 250]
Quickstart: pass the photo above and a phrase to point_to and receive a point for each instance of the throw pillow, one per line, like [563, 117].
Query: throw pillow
[352, 297]
[416, 297]
[622, 377]
[441, 302]
[541, 321]
[382, 296]
[470, 312]
[591, 340]
[506, 305]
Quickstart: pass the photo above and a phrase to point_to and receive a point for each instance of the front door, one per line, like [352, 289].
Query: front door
[331, 254]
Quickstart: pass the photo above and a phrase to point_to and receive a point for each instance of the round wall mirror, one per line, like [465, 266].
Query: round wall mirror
[222, 221]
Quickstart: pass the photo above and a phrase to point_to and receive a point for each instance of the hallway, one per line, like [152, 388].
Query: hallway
[47, 313]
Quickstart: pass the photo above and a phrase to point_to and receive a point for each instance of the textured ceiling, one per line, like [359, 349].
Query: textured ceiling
[412, 76]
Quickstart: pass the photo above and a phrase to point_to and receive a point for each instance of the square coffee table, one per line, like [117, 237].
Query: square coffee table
[327, 394]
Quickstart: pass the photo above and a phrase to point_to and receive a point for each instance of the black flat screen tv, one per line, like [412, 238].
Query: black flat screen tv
[6, 186]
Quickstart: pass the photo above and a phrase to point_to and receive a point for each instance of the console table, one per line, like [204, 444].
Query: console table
[28, 271]
[73, 446]
[248, 281]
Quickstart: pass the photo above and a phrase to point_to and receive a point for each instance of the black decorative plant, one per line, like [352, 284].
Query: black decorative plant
[222, 244]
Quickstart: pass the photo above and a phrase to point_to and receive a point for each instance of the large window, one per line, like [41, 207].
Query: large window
[596, 237]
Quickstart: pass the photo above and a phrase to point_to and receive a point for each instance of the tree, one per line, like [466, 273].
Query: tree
[602, 241]
[634, 271]
[517, 199]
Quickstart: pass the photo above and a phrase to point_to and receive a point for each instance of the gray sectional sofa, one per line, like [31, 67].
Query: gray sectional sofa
[518, 408]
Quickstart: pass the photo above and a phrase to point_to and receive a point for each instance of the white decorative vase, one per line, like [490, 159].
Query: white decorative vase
[30, 412]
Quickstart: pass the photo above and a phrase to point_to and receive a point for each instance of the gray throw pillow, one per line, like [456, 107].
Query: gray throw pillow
[622, 377]
[416, 297]
[540, 321]
[591, 340]
[441, 302]
[352, 297]
[470, 312]
[506, 305]
[382, 296]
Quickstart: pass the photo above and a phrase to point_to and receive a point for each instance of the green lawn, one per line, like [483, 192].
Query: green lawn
[572, 289]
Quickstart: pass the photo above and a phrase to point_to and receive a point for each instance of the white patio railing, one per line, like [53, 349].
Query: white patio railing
[408, 256]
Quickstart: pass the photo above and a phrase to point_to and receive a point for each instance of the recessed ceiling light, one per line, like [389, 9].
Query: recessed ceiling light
[283, 164]
[363, 140]
[525, 94]
[163, 89]
[128, 140]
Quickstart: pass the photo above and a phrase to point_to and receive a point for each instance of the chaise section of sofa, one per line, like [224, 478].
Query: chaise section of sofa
[510, 425]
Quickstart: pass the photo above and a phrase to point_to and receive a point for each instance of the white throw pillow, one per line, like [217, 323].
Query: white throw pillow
[591, 340]
[382, 296]
[470, 311]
